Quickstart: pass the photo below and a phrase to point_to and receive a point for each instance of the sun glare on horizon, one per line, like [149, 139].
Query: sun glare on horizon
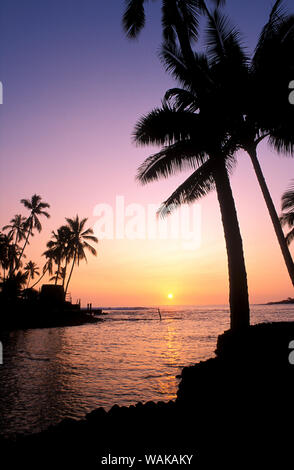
[170, 296]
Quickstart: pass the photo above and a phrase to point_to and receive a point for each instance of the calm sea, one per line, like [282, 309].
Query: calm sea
[131, 356]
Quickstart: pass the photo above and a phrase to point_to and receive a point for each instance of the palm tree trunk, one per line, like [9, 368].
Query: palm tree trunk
[239, 302]
[273, 213]
[41, 277]
[57, 274]
[23, 248]
[70, 274]
[65, 267]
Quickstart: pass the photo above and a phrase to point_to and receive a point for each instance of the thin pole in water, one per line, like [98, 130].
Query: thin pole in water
[159, 313]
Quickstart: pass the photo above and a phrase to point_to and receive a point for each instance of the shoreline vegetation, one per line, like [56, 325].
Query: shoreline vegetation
[23, 306]
[233, 406]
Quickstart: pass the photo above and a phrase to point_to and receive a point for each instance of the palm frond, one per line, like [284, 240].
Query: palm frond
[290, 236]
[287, 218]
[177, 157]
[134, 18]
[26, 203]
[223, 40]
[181, 100]
[90, 248]
[37, 223]
[195, 77]
[288, 200]
[199, 184]
[164, 126]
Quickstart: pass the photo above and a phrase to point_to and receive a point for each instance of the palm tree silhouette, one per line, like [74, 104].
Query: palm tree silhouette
[193, 140]
[264, 108]
[36, 207]
[9, 254]
[16, 228]
[61, 247]
[31, 269]
[5, 256]
[287, 217]
[79, 243]
[11, 288]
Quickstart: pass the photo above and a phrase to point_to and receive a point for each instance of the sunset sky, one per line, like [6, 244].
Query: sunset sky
[74, 87]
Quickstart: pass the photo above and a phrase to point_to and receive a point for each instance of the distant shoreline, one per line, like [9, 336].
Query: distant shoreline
[288, 301]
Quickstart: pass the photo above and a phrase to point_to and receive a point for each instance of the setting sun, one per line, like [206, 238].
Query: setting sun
[170, 296]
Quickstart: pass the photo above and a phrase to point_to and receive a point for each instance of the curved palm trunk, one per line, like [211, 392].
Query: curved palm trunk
[57, 273]
[70, 274]
[41, 277]
[273, 213]
[239, 302]
[22, 251]
[65, 268]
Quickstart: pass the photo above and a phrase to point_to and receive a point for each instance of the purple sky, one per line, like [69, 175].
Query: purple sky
[74, 87]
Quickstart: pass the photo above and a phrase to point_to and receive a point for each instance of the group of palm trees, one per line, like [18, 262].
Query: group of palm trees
[65, 250]
[226, 101]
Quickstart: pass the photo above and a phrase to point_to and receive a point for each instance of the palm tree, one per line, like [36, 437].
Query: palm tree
[266, 110]
[189, 142]
[287, 217]
[31, 269]
[9, 254]
[17, 228]
[61, 247]
[5, 242]
[36, 207]
[12, 287]
[79, 242]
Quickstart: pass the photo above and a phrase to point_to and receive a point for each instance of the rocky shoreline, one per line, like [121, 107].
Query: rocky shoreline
[234, 408]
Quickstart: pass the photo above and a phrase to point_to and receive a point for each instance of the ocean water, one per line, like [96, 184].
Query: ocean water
[51, 374]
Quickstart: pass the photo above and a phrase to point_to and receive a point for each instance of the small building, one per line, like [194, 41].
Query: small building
[52, 295]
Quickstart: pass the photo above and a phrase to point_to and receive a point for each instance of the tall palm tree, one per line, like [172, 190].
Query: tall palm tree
[9, 254]
[5, 242]
[188, 142]
[61, 247]
[267, 112]
[287, 217]
[36, 208]
[31, 269]
[79, 243]
[17, 228]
